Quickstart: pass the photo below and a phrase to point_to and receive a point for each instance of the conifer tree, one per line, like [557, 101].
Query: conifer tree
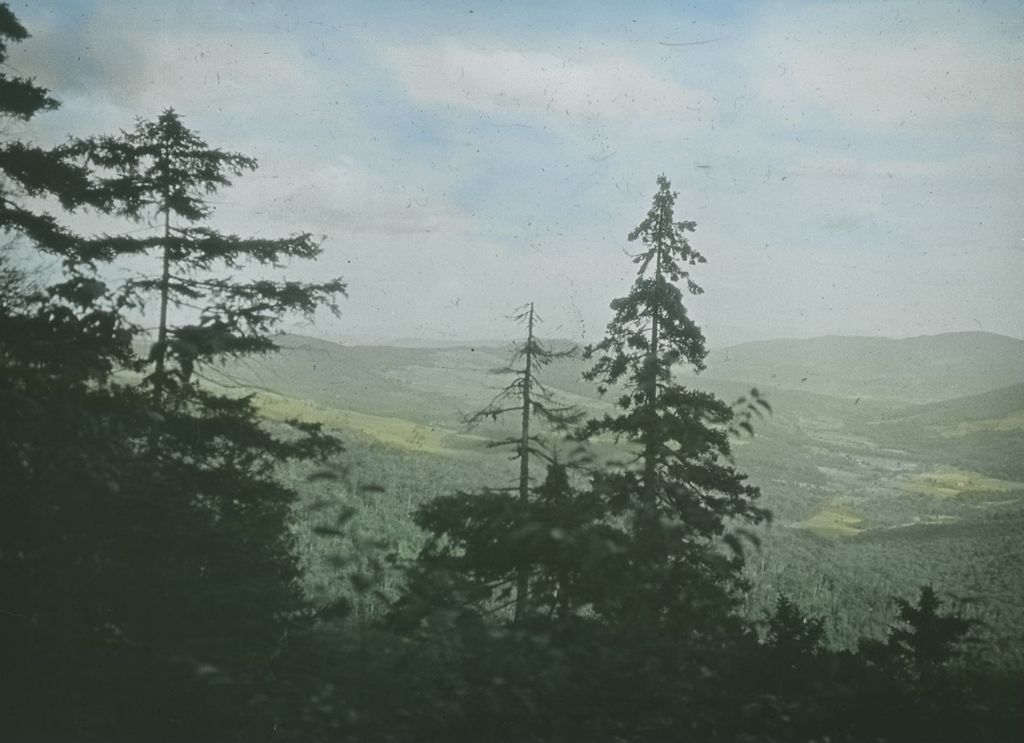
[791, 633]
[534, 399]
[682, 493]
[927, 638]
[491, 542]
[235, 545]
[59, 333]
[32, 171]
[145, 544]
[165, 172]
[60, 452]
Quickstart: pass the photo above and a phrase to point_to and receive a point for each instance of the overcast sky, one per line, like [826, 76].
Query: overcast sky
[853, 168]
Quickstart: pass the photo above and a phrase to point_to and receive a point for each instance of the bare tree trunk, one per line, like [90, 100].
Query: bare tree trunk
[522, 579]
[165, 292]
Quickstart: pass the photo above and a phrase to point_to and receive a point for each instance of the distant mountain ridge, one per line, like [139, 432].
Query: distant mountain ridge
[912, 370]
[433, 385]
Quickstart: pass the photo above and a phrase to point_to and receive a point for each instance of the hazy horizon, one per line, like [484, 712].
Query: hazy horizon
[428, 342]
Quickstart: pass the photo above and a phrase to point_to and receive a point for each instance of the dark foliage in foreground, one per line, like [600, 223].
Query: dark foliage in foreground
[459, 677]
[147, 565]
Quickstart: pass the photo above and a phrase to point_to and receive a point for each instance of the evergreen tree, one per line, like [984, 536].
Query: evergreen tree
[146, 557]
[165, 172]
[791, 633]
[57, 340]
[632, 588]
[927, 638]
[490, 543]
[60, 453]
[30, 171]
[529, 397]
[683, 492]
[224, 516]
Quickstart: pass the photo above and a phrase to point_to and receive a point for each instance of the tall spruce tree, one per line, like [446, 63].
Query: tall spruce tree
[683, 492]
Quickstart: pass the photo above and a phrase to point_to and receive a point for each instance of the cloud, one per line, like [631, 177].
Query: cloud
[348, 197]
[204, 70]
[253, 84]
[543, 86]
[863, 66]
[968, 198]
[851, 169]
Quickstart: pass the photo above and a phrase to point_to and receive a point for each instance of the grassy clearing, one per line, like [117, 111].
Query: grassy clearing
[1011, 422]
[833, 521]
[391, 431]
[948, 482]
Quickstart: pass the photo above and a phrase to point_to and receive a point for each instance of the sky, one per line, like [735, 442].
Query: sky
[853, 168]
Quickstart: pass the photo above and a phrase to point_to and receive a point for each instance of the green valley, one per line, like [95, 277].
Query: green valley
[871, 494]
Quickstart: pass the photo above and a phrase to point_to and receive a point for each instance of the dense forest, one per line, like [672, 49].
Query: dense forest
[184, 556]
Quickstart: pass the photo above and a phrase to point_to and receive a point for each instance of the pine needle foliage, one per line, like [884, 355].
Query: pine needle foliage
[682, 495]
[147, 559]
[164, 172]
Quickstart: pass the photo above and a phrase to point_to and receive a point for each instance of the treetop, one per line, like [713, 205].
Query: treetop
[19, 96]
[164, 163]
[666, 238]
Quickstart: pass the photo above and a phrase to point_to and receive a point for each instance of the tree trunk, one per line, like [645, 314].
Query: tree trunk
[650, 483]
[522, 579]
[165, 292]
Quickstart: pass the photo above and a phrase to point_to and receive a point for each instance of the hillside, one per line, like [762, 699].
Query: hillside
[984, 431]
[430, 385]
[912, 370]
[411, 392]
[886, 464]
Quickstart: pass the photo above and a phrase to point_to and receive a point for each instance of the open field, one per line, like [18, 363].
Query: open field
[833, 521]
[395, 432]
[954, 483]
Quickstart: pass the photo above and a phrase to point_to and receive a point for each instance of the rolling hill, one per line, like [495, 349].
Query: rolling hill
[886, 463]
[909, 370]
[430, 385]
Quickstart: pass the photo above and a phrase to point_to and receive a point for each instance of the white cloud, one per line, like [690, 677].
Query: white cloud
[253, 86]
[202, 71]
[822, 152]
[858, 64]
[347, 197]
[540, 85]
